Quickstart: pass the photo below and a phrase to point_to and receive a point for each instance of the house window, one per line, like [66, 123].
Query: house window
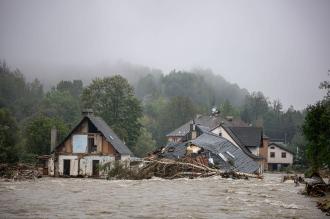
[91, 144]
[80, 143]
[283, 155]
[272, 154]
[272, 147]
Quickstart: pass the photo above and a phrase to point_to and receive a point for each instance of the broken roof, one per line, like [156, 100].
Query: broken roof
[245, 136]
[210, 122]
[106, 131]
[222, 149]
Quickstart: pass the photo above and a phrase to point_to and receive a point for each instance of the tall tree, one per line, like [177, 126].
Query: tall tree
[255, 107]
[61, 105]
[37, 133]
[188, 85]
[316, 129]
[144, 144]
[113, 99]
[20, 97]
[74, 87]
[178, 111]
[8, 137]
[226, 109]
[147, 86]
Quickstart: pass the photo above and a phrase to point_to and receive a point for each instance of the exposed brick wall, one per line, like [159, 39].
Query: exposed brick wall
[263, 151]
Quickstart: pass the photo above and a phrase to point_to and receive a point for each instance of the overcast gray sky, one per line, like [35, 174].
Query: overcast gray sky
[279, 47]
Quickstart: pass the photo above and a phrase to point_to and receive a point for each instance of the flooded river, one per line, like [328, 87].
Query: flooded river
[156, 198]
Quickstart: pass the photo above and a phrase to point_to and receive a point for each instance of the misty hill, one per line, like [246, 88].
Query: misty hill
[202, 85]
[167, 100]
[50, 75]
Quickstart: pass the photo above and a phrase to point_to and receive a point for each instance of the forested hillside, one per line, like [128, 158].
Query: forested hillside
[142, 109]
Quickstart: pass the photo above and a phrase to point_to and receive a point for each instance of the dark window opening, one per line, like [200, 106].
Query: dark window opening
[91, 144]
[92, 128]
[272, 147]
[66, 167]
[96, 164]
[283, 155]
[117, 157]
[272, 154]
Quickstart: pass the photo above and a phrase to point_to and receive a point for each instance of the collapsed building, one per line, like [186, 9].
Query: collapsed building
[90, 144]
[217, 151]
[250, 140]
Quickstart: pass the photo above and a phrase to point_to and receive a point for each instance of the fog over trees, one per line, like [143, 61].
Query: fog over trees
[141, 107]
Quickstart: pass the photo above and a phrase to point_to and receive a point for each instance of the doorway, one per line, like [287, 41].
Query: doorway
[66, 167]
[96, 168]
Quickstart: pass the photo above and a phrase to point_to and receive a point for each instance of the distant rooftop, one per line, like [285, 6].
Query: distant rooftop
[210, 122]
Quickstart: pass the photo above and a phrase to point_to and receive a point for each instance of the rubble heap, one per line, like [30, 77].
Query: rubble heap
[324, 205]
[19, 171]
[316, 187]
[189, 167]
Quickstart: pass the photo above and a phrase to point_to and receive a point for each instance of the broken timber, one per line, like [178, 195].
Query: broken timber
[171, 169]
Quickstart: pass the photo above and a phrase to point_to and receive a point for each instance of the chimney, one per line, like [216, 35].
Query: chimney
[193, 133]
[53, 139]
[87, 112]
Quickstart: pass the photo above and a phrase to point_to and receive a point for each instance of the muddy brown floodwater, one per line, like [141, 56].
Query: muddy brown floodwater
[156, 198]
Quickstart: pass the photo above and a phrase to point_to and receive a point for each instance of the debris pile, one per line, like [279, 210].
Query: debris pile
[324, 206]
[19, 172]
[316, 187]
[189, 167]
[295, 178]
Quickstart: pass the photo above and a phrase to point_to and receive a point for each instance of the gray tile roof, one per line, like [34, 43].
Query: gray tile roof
[247, 136]
[110, 135]
[214, 145]
[208, 121]
[202, 129]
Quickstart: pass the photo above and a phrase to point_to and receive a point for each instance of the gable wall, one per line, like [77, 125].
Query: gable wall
[278, 155]
[103, 146]
[107, 148]
[224, 134]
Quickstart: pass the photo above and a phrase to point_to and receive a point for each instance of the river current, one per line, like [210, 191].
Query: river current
[213, 197]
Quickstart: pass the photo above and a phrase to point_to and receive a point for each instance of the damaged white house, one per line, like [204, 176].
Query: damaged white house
[249, 139]
[89, 144]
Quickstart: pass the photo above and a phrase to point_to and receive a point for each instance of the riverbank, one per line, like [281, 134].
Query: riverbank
[213, 197]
